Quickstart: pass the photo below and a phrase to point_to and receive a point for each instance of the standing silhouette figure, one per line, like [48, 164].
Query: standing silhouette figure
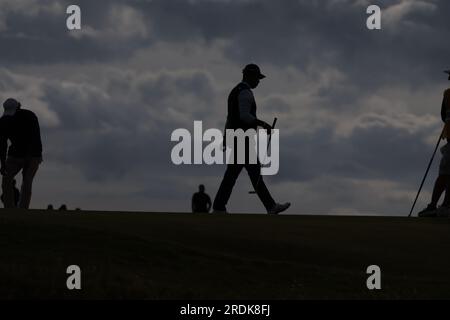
[242, 115]
[442, 182]
[21, 128]
[201, 202]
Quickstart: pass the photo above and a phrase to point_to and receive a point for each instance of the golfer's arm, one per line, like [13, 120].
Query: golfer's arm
[246, 101]
[443, 111]
[3, 145]
[260, 123]
[3, 149]
[35, 141]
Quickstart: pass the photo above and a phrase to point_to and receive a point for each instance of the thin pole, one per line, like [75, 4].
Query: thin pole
[426, 172]
[268, 146]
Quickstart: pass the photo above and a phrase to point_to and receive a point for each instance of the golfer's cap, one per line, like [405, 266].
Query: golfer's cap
[447, 71]
[253, 69]
[10, 105]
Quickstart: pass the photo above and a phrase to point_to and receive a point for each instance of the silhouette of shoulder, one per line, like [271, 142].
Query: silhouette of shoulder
[26, 114]
[22, 114]
[23, 130]
[200, 196]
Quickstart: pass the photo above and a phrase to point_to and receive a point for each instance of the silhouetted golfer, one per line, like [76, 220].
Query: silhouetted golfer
[443, 180]
[201, 202]
[242, 115]
[21, 128]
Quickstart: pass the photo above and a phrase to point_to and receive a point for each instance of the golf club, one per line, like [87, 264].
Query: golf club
[268, 146]
[426, 172]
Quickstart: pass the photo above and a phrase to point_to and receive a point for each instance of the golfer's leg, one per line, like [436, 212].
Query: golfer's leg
[254, 171]
[226, 187]
[29, 171]
[438, 189]
[13, 166]
[442, 180]
[446, 202]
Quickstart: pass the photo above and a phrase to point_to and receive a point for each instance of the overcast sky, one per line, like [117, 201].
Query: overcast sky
[358, 110]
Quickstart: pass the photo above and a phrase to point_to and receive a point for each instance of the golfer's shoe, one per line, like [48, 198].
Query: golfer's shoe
[429, 211]
[220, 211]
[443, 211]
[278, 207]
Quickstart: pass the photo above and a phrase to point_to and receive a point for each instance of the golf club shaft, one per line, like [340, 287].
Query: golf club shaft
[426, 172]
[267, 151]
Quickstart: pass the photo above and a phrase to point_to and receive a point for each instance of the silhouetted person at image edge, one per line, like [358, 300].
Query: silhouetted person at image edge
[201, 202]
[443, 180]
[242, 115]
[21, 128]
[16, 195]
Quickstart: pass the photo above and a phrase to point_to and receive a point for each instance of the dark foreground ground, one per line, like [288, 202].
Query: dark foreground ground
[184, 256]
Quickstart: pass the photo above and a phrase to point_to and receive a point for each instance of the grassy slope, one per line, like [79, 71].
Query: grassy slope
[184, 256]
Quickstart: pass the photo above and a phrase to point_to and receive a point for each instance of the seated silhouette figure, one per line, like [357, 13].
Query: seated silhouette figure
[201, 202]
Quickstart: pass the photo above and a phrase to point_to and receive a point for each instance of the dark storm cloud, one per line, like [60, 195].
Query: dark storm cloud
[376, 148]
[109, 134]
[410, 49]
[36, 33]
[6, 80]
[157, 89]
[128, 101]
[299, 33]
[290, 32]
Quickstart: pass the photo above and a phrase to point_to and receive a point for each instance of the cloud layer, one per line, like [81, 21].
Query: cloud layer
[358, 110]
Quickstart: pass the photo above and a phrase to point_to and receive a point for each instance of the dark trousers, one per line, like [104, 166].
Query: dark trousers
[29, 167]
[229, 179]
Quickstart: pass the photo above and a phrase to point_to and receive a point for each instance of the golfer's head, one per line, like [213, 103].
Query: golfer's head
[252, 75]
[10, 107]
[448, 72]
[201, 188]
